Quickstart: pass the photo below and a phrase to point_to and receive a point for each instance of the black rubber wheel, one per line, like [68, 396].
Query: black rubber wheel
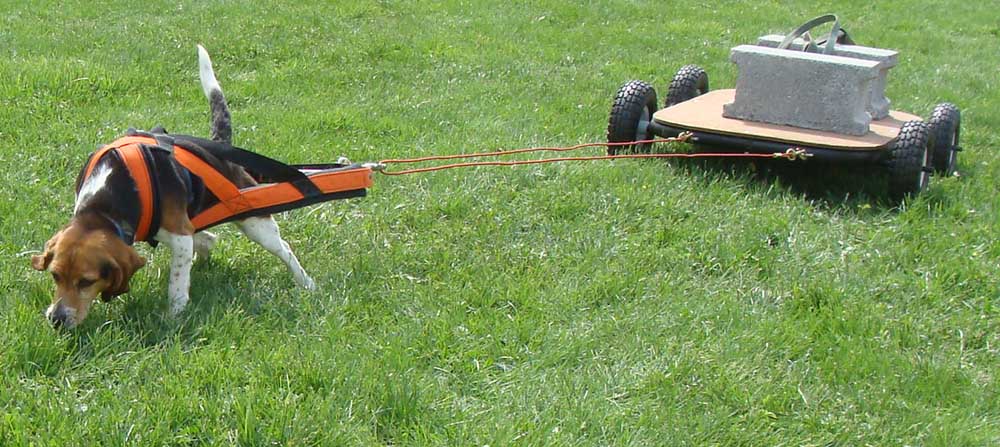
[945, 128]
[689, 82]
[631, 113]
[909, 160]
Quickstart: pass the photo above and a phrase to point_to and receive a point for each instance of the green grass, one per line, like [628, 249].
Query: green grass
[610, 303]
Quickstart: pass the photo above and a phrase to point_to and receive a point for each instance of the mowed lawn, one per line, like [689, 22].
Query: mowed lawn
[602, 303]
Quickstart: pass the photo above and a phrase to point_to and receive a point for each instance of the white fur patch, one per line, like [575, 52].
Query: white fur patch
[207, 75]
[97, 180]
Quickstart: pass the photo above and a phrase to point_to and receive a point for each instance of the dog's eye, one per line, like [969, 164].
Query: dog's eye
[84, 283]
[55, 276]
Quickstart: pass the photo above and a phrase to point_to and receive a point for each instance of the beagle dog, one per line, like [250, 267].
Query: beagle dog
[93, 255]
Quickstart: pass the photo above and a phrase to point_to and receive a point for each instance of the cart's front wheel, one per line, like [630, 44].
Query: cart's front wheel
[631, 113]
[689, 82]
[909, 160]
[945, 128]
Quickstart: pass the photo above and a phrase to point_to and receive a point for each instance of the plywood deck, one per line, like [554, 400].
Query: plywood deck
[704, 113]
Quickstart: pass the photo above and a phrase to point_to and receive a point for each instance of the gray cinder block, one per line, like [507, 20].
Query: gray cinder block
[802, 89]
[879, 106]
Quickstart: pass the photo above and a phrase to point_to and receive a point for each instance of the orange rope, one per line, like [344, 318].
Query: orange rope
[530, 149]
[551, 160]
[791, 154]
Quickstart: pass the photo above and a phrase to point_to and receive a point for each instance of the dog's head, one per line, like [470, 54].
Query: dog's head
[85, 262]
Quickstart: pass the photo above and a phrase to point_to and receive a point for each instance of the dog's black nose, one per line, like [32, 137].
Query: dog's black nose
[58, 317]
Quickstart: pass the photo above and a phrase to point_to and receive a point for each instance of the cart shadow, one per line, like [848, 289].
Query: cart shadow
[827, 184]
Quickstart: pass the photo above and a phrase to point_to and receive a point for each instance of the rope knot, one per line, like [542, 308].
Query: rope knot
[683, 137]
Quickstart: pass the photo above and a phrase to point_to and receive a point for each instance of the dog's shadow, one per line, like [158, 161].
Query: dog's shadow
[223, 294]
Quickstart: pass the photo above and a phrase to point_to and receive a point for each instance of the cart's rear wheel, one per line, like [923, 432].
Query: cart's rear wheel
[631, 113]
[909, 160]
[945, 128]
[689, 82]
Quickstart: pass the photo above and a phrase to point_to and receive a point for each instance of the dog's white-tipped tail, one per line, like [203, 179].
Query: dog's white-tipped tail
[208, 81]
[222, 128]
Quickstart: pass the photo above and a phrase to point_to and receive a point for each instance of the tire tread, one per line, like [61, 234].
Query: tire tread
[625, 113]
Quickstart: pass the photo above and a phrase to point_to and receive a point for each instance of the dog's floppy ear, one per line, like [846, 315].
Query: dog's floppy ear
[118, 270]
[41, 262]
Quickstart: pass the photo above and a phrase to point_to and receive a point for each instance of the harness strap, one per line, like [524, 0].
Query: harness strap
[121, 142]
[230, 197]
[269, 198]
[286, 187]
[266, 169]
[137, 166]
[129, 149]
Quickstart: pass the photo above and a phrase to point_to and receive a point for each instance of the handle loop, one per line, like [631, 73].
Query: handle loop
[805, 27]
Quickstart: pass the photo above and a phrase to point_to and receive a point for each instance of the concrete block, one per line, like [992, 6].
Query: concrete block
[879, 106]
[802, 89]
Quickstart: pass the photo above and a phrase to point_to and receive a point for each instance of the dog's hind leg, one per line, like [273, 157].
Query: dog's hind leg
[203, 243]
[264, 231]
[222, 126]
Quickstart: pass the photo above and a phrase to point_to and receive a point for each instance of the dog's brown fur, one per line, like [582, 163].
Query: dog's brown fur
[87, 259]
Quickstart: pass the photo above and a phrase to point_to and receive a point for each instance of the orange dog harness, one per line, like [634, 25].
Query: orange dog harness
[285, 187]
